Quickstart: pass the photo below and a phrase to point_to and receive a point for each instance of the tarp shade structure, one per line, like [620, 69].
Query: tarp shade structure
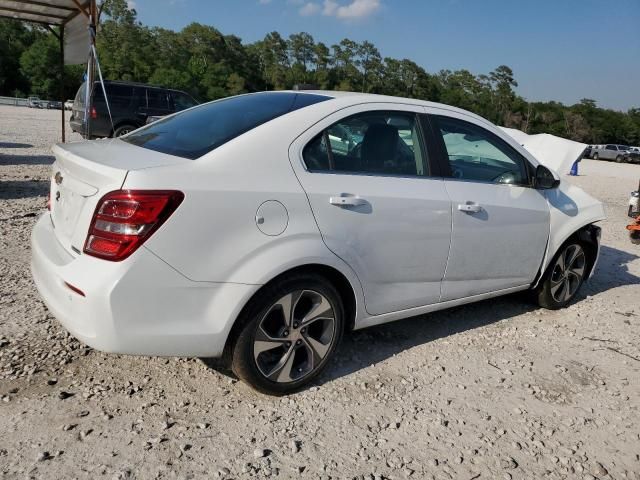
[68, 13]
[77, 41]
[47, 12]
[553, 152]
[72, 18]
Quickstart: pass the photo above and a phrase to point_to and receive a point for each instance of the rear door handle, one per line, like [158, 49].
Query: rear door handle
[470, 207]
[347, 201]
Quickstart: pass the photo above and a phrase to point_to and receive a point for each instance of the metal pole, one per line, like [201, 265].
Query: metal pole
[61, 39]
[90, 80]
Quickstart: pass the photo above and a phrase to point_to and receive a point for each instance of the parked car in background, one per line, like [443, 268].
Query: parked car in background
[618, 153]
[54, 104]
[258, 228]
[634, 154]
[587, 152]
[130, 104]
[68, 105]
[35, 102]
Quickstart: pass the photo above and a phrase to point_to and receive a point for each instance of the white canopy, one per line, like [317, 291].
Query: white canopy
[554, 152]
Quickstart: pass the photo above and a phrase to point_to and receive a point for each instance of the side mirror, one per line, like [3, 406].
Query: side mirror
[545, 178]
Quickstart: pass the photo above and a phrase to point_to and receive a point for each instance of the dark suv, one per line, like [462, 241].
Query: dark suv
[130, 104]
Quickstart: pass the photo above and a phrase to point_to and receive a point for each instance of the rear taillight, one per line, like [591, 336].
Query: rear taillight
[125, 219]
[94, 113]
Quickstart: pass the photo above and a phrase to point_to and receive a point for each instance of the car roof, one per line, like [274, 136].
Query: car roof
[139, 84]
[358, 97]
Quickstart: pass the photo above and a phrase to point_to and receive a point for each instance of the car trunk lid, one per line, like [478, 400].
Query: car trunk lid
[83, 173]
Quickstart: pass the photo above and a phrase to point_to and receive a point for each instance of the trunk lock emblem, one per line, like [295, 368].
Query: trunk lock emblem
[58, 178]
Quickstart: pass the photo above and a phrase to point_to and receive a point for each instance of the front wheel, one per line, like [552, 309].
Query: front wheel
[619, 159]
[290, 331]
[563, 278]
[595, 156]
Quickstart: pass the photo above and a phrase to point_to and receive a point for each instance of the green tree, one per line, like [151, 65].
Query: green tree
[15, 38]
[40, 63]
[209, 64]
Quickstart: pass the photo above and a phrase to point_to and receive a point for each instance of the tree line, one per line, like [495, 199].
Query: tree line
[208, 64]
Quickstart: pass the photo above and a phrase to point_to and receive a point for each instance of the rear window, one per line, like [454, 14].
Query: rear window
[193, 133]
[79, 100]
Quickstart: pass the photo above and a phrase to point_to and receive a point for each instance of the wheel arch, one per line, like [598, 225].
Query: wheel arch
[346, 290]
[122, 122]
[588, 235]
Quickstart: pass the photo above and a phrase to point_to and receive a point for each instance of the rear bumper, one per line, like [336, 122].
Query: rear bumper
[140, 306]
[99, 129]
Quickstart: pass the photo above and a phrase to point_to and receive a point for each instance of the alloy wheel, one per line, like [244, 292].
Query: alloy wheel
[568, 273]
[294, 336]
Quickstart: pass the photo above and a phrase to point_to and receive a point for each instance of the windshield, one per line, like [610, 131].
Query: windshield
[192, 133]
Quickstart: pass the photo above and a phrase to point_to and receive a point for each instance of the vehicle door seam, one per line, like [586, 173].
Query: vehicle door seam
[315, 220]
[444, 275]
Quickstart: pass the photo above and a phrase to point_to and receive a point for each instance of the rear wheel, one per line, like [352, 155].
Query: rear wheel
[290, 331]
[595, 156]
[563, 278]
[123, 130]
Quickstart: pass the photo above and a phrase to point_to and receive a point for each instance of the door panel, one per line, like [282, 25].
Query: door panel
[499, 246]
[500, 224]
[392, 230]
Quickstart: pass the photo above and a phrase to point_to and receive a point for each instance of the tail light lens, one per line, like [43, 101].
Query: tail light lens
[94, 113]
[125, 219]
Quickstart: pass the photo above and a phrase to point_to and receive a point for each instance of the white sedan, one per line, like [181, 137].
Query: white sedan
[237, 229]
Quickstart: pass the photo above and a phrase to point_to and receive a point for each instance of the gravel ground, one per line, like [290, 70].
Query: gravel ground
[496, 390]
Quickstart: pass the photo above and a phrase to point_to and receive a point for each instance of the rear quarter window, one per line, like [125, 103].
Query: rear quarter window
[119, 96]
[193, 133]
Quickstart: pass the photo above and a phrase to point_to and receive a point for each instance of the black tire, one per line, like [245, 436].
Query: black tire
[123, 130]
[595, 156]
[247, 364]
[619, 159]
[551, 293]
[630, 212]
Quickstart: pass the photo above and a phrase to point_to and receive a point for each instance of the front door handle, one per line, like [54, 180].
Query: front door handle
[347, 201]
[470, 207]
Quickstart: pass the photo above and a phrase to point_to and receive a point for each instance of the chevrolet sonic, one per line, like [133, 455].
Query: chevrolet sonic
[259, 228]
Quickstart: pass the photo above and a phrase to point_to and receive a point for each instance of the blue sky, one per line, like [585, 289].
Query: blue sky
[561, 50]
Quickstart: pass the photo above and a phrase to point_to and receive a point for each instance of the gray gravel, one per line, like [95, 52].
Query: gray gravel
[495, 390]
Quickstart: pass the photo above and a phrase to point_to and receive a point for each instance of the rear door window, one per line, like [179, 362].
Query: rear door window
[157, 99]
[119, 95]
[375, 143]
[195, 132]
